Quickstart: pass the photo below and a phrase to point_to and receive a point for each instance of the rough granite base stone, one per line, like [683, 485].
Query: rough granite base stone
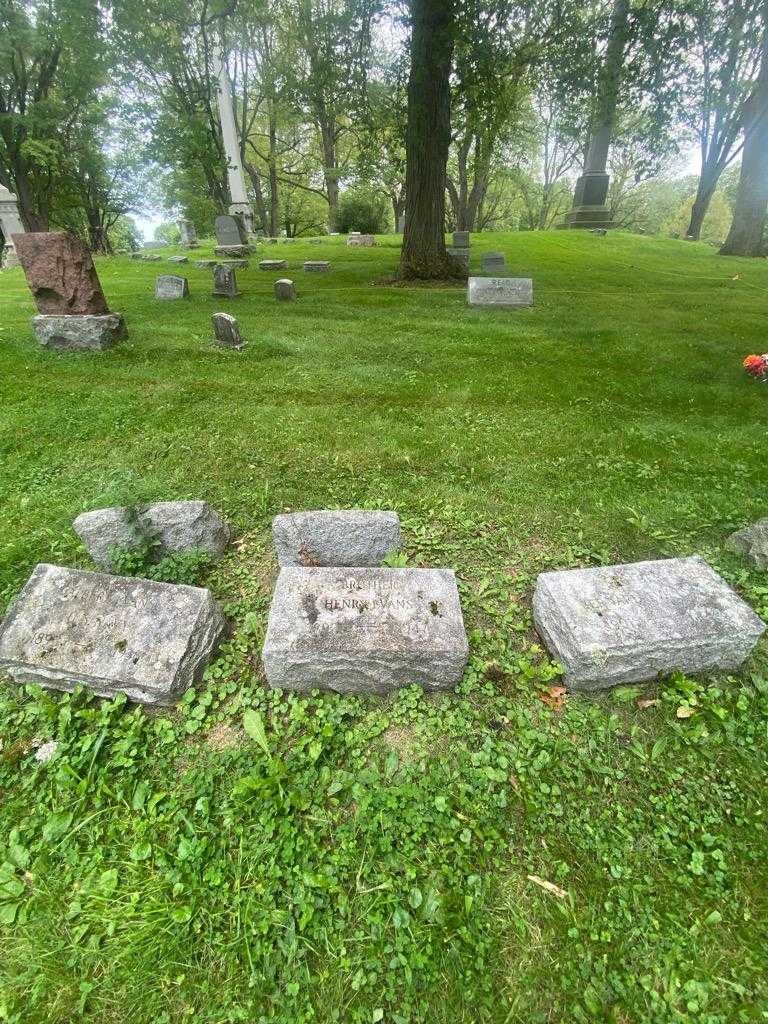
[633, 623]
[79, 332]
[359, 630]
[150, 641]
[752, 542]
[354, 537]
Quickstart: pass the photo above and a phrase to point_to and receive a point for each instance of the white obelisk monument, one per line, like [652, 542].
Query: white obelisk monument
[237, 189]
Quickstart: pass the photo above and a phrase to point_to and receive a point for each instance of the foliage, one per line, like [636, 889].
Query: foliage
[168, 232]
[363, 210]
[177, 567]
[261, 856]
[716, 222]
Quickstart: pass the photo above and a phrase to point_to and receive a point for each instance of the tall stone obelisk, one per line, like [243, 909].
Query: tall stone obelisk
[10, 225]
[237, 190]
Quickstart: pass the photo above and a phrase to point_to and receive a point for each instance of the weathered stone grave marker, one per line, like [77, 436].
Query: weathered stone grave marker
[226, 331]
[206, 264]
[365, 630]
[347, 537]
[169, 286]
[500, 291]
[73, 313]
[461, 239]
[273, 265]
[285, 290]
[188, 234]
[462, 255]
[361, 241]
[317, 266]
[224, 282]
[631, 623]
[231, 236]
[491, 261]
[178, 259]
[752, 542]
[148, 640]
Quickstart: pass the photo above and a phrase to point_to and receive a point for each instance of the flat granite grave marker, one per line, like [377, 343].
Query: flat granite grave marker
[227, 333]
[500, 291]
[361, 241]
[347, 537]
[169, 286]
[273, 265]
[285, 290]
[178, 259]
[73, 312]
[752, 542]
[631, 623]
[359, 630]
[317, 266]
[148, 640]
[224, 282]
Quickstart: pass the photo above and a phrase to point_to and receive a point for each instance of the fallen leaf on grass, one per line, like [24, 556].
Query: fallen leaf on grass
[553, 697]
[549, 886]
[685, 712]
[647, 703]
[736, 277]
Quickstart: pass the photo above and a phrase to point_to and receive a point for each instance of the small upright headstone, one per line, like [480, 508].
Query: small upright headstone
[462, 255]
[168, 286]
[500, 291]
[285, 290]
[226, 331]
[148, 640]
[224, 282]
[273, 265]
[631, 623]
[491, 261]
[317, 266]
[188, 234]
[361, 630]
[62, 278]
[461, 239]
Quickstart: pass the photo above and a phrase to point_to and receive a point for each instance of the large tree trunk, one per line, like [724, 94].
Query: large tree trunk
[330, 171]
[746, 235]
[274, 186]
[428, 138]
[704, 192]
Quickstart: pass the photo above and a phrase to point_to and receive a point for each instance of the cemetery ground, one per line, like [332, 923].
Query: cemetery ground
[505, 854]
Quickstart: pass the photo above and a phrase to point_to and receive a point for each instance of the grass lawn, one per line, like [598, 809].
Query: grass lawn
[372, 862]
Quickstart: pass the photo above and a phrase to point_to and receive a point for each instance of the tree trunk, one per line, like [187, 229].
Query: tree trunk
[258, 195]
[428, 138]
[746, 235]
[704, 192]
[330, 170]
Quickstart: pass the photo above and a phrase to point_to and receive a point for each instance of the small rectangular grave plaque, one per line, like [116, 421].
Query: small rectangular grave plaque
[461, 239]
[500, 291]
[148, 640]
[631, 623]
[365, 630]
[493, 261]
[317, 266]
[168, 286]
[273, 265]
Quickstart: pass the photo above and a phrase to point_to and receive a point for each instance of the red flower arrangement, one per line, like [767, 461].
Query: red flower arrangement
[757, 366]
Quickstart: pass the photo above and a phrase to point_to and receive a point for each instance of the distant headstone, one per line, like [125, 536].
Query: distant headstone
[285, 290]
[491, 261]
[168, 286]
[230, 231]
[462, 255]
[137, 255]
[361, 241]
[205, 264]
[153, 258]
[224, 282]
[60, 273]
[631, 623]
[226, 331]
[347, 537]
[461, 239]
[150, 641]
[273, 265]
[752, 542]
[10, 225]
[364, 630]
[500, 291]
[178, 259]
[188, 234]
[317, 266]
